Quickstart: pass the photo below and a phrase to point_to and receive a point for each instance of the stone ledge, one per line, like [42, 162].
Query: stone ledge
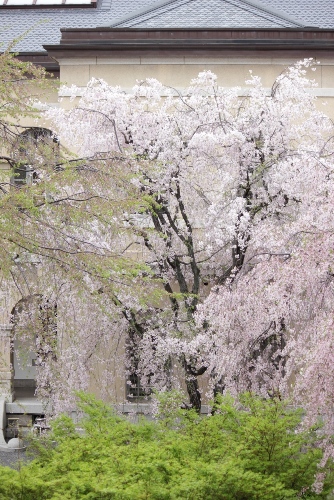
[28, 407]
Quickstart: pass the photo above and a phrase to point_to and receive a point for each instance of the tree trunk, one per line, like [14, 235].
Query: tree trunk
[195, 398]
[191, 380]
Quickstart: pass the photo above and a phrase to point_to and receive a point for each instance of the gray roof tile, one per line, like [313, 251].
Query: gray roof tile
[45, 24]
[209, 14]
[318, 13]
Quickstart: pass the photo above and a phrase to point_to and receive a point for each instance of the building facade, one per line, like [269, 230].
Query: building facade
[122, 41]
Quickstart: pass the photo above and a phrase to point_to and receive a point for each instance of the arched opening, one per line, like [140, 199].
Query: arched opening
[24, 348]
[34, 147]
[33, 341]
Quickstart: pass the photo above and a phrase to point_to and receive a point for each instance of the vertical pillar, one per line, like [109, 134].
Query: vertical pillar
[6, 369]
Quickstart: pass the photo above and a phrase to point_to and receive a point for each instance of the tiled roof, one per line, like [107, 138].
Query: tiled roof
[209, 14]
[318, 13]
[45, 24]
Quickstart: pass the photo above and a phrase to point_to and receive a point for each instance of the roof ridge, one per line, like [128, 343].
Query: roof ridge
[145, 10]
[164, 3]
[275, 12]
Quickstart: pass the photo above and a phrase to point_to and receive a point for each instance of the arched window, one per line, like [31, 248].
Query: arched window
[34, 148]
[34, 342]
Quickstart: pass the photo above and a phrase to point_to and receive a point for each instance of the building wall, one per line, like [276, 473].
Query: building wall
[177, 71]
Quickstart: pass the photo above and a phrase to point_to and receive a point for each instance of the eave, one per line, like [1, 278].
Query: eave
[41, 59]
[107, 41]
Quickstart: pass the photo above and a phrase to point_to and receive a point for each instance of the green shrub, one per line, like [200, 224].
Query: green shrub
[249, 449]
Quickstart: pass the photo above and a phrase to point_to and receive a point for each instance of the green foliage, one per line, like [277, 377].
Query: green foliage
[249, 449]
[43, 217]
[18, 83]
[21, 85]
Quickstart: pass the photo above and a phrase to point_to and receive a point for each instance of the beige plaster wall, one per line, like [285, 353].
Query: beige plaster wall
[178, 71]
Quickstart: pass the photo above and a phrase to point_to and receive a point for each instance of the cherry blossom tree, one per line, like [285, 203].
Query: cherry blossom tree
[227, 196]
[190, 233]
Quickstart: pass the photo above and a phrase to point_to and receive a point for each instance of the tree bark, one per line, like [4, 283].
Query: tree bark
[191, 374]
[194, 394]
